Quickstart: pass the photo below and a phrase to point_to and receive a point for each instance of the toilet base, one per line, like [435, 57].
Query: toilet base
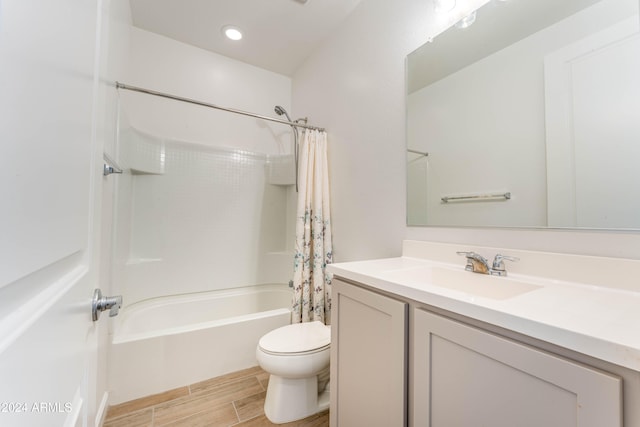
[290, 399]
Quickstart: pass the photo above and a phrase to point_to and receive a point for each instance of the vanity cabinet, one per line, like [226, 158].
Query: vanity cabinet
[368, 358]
[398, 362]
[464, 376]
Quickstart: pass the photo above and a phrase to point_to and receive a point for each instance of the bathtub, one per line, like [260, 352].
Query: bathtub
[169, 342]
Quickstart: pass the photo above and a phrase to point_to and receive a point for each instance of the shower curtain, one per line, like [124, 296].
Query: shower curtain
[313, 250]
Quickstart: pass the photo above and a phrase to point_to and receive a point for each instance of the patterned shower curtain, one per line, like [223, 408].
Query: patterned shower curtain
[313, 250]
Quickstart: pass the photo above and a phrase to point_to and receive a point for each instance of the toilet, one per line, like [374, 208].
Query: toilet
[297, 358]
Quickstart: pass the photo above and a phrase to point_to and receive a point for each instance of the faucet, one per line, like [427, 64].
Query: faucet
[497, 269]
[476, 263]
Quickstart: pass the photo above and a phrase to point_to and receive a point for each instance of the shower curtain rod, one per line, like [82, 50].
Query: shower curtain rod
[217, 107]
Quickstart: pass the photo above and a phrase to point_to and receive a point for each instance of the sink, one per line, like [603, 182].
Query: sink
[482, 285]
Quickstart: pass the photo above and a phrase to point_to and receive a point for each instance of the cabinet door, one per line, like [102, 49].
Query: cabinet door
[368, 358]
[468, 377]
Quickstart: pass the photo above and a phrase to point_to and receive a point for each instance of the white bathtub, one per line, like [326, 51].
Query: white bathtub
[169, 342]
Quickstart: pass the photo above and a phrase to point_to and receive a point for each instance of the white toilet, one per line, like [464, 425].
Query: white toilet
[297, 357]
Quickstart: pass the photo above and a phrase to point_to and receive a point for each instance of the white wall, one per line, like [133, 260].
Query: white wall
[354, 85]
[165, 65]
[196, 209]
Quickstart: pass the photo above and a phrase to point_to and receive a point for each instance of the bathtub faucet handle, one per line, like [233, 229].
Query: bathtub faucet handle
[101, 303]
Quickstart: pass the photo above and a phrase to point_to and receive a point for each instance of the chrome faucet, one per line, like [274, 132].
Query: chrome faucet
[497, 269]
[476, 263]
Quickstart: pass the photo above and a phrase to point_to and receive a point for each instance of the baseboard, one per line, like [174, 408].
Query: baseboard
[102, 409]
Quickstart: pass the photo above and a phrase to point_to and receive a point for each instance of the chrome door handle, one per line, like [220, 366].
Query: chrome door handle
[101, 303]
[108, 170]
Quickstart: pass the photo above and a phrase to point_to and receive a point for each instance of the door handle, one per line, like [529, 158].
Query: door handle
[101, 303]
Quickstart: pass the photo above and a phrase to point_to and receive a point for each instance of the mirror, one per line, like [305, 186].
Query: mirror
[530, 117]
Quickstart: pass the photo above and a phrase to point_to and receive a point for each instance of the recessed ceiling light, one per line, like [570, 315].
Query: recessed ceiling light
[231, 32]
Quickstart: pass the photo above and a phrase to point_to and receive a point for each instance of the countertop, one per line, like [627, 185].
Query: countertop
[599, 321]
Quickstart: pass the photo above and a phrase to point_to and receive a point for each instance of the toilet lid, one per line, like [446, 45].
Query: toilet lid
[297, 338]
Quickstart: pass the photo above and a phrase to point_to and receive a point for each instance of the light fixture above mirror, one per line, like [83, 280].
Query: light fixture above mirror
[467, 21]
[464, 13]
[444, 6]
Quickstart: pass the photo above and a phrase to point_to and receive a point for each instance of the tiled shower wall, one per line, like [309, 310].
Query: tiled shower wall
[194, 218]
[207, 201]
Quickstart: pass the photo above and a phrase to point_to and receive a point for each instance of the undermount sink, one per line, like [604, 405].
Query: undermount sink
[482, 285]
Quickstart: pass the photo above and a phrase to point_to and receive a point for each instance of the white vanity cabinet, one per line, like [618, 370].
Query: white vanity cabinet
[399, 362]
[464, 376]
[368, 358]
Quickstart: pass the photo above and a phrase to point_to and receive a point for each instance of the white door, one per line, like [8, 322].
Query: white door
[592, 101]
[50, 178]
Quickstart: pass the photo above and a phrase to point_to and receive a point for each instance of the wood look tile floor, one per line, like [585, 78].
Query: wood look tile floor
[235, 399]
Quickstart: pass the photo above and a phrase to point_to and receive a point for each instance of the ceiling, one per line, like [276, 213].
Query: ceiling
[278, 34]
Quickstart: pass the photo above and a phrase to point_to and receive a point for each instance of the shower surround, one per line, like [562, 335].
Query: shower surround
[204, 210]
[195, 218]
[207, 205]
[201, 260]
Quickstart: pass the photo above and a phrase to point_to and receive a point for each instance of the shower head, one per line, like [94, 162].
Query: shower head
[280, 111]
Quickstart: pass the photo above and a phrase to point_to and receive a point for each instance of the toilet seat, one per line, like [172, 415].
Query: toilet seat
[297, 339]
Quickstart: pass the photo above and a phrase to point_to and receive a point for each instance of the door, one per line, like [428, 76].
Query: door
[50, 180]
[594, 128]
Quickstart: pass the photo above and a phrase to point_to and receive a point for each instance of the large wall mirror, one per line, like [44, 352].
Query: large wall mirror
[530, 117]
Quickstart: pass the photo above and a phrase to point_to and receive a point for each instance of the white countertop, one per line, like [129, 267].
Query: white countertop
[599, 321]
